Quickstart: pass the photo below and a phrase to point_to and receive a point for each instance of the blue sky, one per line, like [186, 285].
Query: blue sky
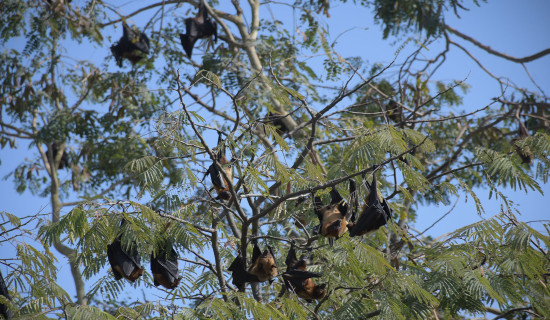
[517, 28]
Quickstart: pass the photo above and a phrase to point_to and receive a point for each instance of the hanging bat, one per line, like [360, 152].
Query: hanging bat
[64, 163]
[4, 310]
[394, 111]
[133, 45]
[277, 122]
[263, 267]
[298, 279]
[375, 213]
[123, 263]
[164, 267]
[201, 26]
[221, 185]
[525, 154]
[332, 217]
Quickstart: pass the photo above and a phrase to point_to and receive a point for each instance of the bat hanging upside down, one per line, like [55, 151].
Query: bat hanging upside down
[332, 217]
[375, 213]
[263, 268]
[196, 28]
[220, 183]
[298, 280]
[124, 263]
[133, 45]
[4, 310]
[164, 267]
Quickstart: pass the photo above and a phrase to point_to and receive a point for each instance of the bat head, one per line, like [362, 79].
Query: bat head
[224, 195]
[335, 228]
[117, 53]
[267, 262]
[319, 291]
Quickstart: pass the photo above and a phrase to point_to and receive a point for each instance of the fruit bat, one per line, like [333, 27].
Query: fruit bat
[4, 311]
[298, 279]
[221, 185]
[198, 27]
[277, 122]
[133, 45]
[64, 163]
[124, 263]
[525, 154]
[394, 111]
[375, 213]
[164, 267]
[332, 217]
[263, 267]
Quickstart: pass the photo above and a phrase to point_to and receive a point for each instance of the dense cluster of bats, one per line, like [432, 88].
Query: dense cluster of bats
[335, 219]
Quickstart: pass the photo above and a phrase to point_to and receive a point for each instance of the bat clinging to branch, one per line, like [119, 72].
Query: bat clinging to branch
[262, 268]
[201, 26]
[133, 45]
[375, 213]
[298, 279]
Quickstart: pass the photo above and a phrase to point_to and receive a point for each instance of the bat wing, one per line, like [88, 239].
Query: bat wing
[124, 264]
[336, 198]
[4, 311]
[117, 259]
[165, 270]
[295, 275]
[187, 42]
[387, 210]
[169, 264]
[240, 275]
[143, 43]
[216, 177]
[372, 218]
[291, 259]
[354, 201]
[117, 53]
[256, 253]
[317, 205]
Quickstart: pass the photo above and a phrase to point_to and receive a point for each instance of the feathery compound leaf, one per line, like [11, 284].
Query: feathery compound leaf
[208, 77]
[506, 170]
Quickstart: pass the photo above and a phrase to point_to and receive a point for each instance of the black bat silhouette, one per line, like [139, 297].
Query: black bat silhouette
[164, 267]
[201, 26]
[298, 279]
[375, 213]
[4, 310]
[263, 267]
[332, 217]
[133, 45]
[123, 263]
[221, 185]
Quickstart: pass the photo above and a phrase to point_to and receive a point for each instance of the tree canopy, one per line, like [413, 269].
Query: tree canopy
[265, 136]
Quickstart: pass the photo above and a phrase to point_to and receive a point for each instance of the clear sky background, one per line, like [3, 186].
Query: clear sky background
[518, 28]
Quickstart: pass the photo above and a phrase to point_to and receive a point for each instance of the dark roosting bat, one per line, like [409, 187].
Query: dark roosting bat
[124, 263]
[375, 213]
[133, 45]
[332, 217]
[196, 28]
[277, 122]
[298, 279]
[262, 268]
[4, 310]
[220, 183]
[164, 267]
[64, 162]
